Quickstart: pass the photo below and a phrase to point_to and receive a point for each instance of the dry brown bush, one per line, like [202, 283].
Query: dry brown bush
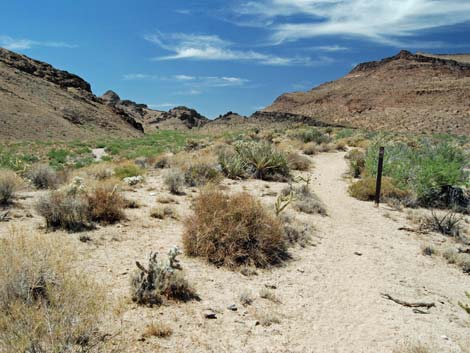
[45, 304]
[233, 231]
[106, 204]
[298, 162]
[364, 189]
[43, 176]
[158, 329]
[9, 183]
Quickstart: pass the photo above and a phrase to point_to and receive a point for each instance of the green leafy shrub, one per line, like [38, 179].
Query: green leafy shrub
[424, 169]
[233, 231]
[232, 165]
[357, 162]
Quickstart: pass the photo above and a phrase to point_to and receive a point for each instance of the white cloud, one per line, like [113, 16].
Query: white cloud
[191, 81]
[384, 21]
[162, 105]
[330, 48]
[11, 43]
[134, 77]
[211, 47]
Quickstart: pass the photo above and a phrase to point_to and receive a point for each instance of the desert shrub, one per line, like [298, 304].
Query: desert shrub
[158, 329]
[43, 176]
[106, 204]
[128, 170]
[246, 298]
[175, 180]
[424, 169]
[310, 148]
[233, 231]
[201, 173]
[305, 200]
[298, 162]
[232, 165]
[46, 305]
[357, 162]
[296, 232]
[63, 210]
[163, 212]
[364, 189]
[263, 160]
[161, 279]
[448, 223]
[313, 135]
[101, 171]
[162, 162]
[9, 183]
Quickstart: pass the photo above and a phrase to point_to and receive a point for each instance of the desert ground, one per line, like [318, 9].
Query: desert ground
[330, 297]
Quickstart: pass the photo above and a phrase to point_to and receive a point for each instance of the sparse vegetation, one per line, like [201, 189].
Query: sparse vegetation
[158, 329]
[128, 170]
[46, 305]
[163, 212]
[298, 162]
[43, 176]
[201, 173]
[9, 183]
[312, 135]
[233, 231]
[448, 223]
[305, 200]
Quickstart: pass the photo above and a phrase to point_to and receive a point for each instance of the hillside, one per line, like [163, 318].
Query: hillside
[40, 102]
[407, 92]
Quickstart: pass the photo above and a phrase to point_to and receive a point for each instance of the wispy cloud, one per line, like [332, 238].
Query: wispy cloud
[212, 47]
[330, 48]
[162, 105]
[193, 81]
[11, 43]
[383, 21]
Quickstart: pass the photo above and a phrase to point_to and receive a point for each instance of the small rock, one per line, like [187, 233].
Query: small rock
[357, 253]
[210, 314]
[153, 194]
[270, 286]
[300, 270]
[232, 307]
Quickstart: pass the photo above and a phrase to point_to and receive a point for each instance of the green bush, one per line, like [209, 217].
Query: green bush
[423, 169]
[232, 165]
[127, 171]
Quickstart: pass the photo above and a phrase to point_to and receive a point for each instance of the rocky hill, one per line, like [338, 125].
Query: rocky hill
[40, 102]
[407, 92]
[179, 118]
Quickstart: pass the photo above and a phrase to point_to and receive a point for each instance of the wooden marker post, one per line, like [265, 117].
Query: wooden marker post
[378, 185]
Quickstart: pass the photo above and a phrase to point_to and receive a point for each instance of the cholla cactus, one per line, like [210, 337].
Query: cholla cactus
[77, 186]
[149, 286]
[282, 202]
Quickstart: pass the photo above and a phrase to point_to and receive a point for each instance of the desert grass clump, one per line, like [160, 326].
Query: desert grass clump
[46, 305]
[413, 348]
[263, 161]
[233, 231]
[310, 148]
[201, 173]
[174, 180]
[106, 204]
[163, 212]
[9, 183]
[43, 176]
[162, 279]
[158, 329]
[268, 295]
[296, 232]
[364, 189]
[448, 223]
[298, 162]
[246, 298]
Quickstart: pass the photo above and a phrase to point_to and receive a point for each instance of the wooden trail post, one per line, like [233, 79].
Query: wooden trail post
[378, 185]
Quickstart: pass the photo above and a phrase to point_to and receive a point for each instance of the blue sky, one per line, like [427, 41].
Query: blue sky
[216, 55]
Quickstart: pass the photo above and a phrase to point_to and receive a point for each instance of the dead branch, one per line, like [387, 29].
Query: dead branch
[408, 304]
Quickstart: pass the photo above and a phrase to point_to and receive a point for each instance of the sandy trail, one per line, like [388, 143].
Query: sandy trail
[330, 297]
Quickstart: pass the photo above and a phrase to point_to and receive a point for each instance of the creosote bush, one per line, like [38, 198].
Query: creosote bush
[43, 176]
[161, 279]
[45, 304]
[233, 231]
[9, 183]
[364, 189]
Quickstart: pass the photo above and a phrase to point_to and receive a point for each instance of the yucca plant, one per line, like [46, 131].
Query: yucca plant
[264, 161]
